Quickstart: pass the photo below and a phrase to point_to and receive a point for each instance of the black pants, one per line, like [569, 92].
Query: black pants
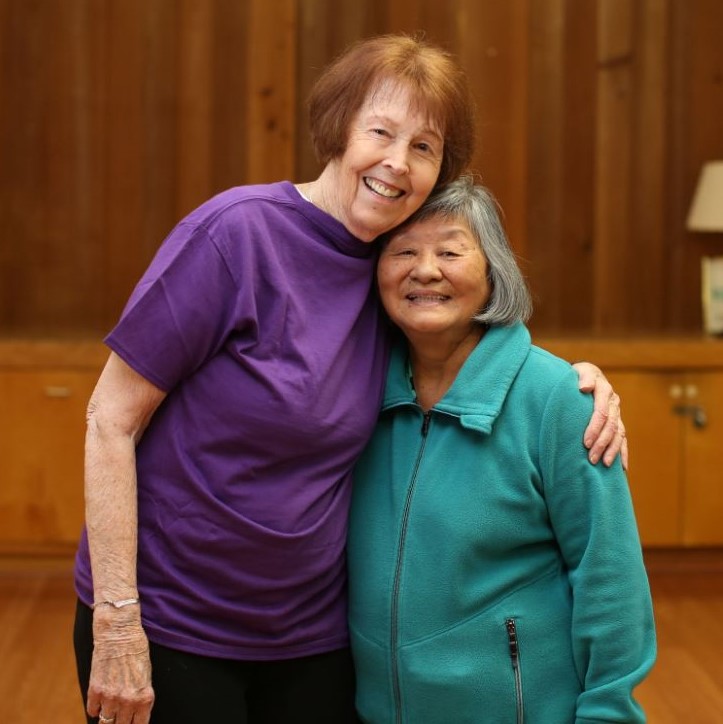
[193, 689]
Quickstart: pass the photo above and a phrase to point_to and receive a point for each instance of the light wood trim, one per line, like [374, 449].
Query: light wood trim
[33, 354]
[665, 353]
[659, 353]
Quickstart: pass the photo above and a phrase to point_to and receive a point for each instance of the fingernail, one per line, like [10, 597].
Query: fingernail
[594, 458]
[588, 441]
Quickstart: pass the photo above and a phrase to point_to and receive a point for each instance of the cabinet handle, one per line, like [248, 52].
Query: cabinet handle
[696, 412]
[57, 391]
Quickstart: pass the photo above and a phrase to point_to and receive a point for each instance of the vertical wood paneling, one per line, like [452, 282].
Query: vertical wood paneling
[594, 117]
[125, 131]
[646, 267]
[493, 48]
[697, 136]
[195, 103]
[546, 143]
[230, 81]
[575, 300]
[615, 113]
[271, 70]
[44, 161]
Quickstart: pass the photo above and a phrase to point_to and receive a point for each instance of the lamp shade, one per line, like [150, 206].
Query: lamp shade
[706, 211]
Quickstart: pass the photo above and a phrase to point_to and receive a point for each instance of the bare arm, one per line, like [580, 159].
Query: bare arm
[605, 435]
[120, 408]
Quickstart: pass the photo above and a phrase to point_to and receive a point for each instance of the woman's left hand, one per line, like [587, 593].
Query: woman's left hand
[605, 435]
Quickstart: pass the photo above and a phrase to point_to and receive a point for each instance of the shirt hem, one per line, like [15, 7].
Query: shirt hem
[270, 652]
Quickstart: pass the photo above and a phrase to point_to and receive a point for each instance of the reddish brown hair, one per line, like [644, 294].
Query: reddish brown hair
[438, 86]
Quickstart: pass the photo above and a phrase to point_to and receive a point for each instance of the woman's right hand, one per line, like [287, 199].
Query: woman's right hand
[120, 676]
[121, 407]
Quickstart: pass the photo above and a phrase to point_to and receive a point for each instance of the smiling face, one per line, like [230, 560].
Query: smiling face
[390, 165]
[432, 279]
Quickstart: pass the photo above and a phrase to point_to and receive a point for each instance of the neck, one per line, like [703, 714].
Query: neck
[435, 365]
[315, 192]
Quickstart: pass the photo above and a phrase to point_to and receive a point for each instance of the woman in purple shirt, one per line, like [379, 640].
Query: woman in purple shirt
[244, 379]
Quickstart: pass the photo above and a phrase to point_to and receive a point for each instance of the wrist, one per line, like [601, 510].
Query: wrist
[118, 603]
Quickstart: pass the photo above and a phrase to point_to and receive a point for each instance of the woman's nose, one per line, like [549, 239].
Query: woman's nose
[397, 159]
[426, 268]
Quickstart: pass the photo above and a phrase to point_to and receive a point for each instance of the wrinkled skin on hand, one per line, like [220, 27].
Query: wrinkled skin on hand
[605, 435]
[120, 676]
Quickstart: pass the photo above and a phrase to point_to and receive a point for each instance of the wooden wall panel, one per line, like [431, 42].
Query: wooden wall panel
[120, 116]
[646, 265]
[271, 87]
[126, 115]
[546, 205]
[49, 201]
[493, 45]
[616, 106]
[696, 135]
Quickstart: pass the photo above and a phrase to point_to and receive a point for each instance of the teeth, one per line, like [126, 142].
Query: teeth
[427, 297]
[381, 189]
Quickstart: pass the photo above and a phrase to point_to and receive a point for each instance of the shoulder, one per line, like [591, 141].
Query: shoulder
[552, 384]
[544, 360]
[241, 201]
[547, 370]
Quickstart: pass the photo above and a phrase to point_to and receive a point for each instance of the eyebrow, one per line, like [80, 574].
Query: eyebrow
[386, 119]
[447, 234]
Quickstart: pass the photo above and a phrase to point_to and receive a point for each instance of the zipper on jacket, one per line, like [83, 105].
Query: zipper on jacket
[515, 658]
[394, 630]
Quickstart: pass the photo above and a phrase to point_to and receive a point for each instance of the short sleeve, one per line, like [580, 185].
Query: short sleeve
[182, 310]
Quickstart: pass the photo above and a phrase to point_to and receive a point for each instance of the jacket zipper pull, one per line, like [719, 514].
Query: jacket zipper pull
[425, 422]
[512, 639]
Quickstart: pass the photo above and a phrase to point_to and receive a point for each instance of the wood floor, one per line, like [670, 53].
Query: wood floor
[37, 676]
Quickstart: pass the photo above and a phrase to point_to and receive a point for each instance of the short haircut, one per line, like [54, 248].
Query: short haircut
[472, 204]
[438, 86]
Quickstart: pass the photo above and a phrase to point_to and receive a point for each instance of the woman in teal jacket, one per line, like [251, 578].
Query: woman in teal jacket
[495, 574]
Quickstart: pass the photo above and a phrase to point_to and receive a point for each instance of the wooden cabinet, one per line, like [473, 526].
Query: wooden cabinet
[672, 403]
[672, 392]
[44, 390]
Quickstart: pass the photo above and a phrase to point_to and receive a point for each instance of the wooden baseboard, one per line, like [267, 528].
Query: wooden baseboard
[684, 560]
[36, 564]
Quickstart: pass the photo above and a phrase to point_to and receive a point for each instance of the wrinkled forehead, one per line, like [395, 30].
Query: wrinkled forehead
[394, 91]
[436, 226]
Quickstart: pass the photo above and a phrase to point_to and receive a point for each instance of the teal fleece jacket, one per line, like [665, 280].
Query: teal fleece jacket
[495, 574]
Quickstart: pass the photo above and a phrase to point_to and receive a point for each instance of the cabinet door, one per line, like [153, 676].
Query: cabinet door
[655, 437]
[42, 428]
[703, 481]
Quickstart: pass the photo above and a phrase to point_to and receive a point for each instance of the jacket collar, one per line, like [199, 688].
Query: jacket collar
[478, 393]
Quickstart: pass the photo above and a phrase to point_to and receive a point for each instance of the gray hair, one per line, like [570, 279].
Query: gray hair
[472, 204]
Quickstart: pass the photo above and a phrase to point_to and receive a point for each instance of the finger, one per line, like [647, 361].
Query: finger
[609, 441]
[595, 428]
[92, 705]
[588, 375]
[605, 406]
[619, 445]
[607, 445]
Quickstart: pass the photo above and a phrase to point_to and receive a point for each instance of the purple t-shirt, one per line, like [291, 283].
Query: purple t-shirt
[258, 317]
